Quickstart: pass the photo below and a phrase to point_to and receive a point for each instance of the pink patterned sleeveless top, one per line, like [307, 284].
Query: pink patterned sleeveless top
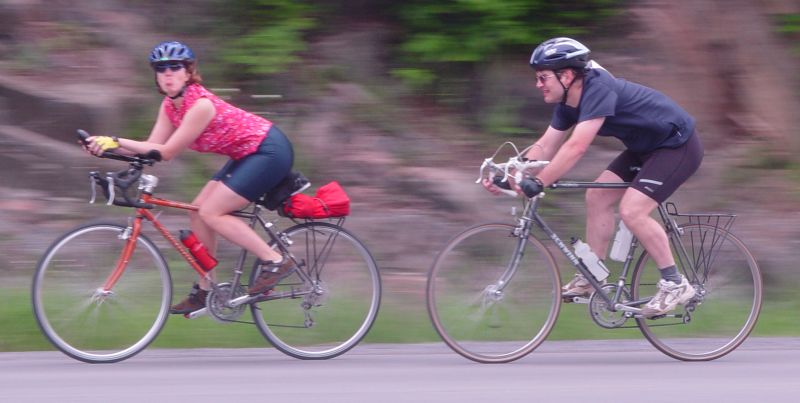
[233, 131]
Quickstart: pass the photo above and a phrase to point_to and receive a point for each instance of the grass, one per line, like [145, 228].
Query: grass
[401, 320]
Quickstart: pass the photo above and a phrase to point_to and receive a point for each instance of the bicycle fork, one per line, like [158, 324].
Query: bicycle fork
[129, 235]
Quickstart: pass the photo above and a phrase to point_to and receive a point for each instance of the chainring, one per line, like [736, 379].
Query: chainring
[598, 309]
[216, 299]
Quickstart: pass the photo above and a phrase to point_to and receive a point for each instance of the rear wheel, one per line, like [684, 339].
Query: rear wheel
[727, 304]
[87, 322]
[329, 307]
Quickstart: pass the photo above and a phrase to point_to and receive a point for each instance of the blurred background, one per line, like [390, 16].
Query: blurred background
[399, 102]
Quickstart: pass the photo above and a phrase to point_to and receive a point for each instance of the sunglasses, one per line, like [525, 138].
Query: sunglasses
[542, 78]
[162, 67]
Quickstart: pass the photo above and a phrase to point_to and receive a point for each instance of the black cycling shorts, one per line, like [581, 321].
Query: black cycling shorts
[257, 173]
[662, 170]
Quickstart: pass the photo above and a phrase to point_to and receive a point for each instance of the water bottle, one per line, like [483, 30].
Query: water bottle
[622, 243]
[198, 250]
[592, 262]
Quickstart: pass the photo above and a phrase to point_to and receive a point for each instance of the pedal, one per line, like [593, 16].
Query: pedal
[574, 299]
[196, 314]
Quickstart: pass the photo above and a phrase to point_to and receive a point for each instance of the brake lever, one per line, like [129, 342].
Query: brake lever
[92, 184]
[483, 166]
[111, 193]
[509, 164]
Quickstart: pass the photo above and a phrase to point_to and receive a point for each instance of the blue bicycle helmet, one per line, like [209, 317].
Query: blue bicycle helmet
[559, 53]
[171, 51]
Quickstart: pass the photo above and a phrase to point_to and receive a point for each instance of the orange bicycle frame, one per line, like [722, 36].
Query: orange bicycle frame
[136, 229]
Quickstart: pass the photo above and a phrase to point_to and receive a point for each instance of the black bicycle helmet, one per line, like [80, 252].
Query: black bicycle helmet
[559, 53]
[170, 51]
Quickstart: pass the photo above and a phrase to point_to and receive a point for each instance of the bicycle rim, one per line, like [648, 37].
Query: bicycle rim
[478, 315]
[328, 315]
[730, 305]
[77, 318]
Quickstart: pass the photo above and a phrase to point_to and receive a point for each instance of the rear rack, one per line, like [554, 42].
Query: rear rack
[717, 220]
[703, 245]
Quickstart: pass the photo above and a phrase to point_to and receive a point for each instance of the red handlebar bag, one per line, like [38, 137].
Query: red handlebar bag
[329, 201]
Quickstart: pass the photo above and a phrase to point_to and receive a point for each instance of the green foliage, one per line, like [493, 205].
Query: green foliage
[789, 25]
[416, 77]
[472, 31]
[264, 36]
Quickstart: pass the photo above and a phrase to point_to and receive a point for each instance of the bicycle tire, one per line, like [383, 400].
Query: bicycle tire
[342, 298]
[731, 286]
[96, 328]
[473, 317]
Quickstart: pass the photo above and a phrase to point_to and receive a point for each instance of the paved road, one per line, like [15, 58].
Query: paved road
[762, 370]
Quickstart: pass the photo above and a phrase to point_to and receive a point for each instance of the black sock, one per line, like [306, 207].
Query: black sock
[671, 274]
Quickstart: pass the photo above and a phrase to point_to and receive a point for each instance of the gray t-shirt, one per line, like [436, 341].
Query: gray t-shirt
[643, 118]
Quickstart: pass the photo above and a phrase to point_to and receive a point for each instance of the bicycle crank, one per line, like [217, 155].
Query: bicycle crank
[599, 311]
[218, 302]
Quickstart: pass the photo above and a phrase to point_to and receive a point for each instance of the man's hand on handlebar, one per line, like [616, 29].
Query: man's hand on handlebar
[489, 185]
[497, 186]
[517, 176]
[530, 187]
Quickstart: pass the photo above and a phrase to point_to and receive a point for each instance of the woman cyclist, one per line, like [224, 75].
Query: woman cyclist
[662, 152]
[261, 156]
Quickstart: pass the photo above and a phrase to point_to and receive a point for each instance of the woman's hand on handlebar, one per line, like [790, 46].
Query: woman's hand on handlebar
[97, 145]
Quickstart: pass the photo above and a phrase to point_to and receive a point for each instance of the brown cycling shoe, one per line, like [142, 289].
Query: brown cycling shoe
[271, 274]
[195, 301]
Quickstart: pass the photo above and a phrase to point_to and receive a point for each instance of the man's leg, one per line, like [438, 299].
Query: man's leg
[600, 220]
[673, 289]
[599, 226]
[635, 210]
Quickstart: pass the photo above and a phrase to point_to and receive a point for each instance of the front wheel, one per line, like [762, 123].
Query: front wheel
[86, 321]
[492, 296]
[329, 305]
[728, 301]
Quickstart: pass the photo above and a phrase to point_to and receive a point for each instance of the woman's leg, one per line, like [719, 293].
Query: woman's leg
[203, 231]
[215, 212]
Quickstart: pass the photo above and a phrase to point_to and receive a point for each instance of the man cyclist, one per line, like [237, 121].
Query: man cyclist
[659, 137]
